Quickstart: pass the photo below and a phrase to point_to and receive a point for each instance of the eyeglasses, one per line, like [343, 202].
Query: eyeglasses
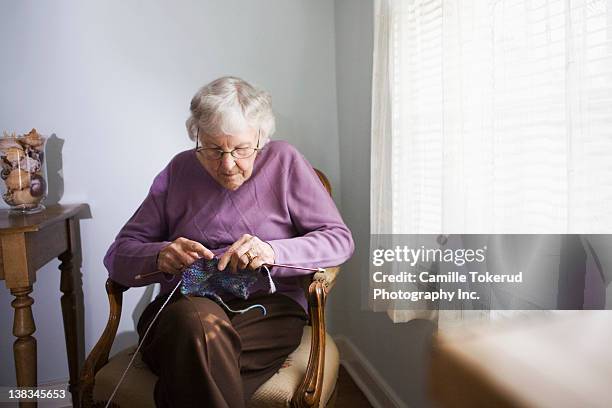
[214, 153]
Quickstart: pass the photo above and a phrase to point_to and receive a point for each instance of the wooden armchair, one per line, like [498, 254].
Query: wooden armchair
[307, 379]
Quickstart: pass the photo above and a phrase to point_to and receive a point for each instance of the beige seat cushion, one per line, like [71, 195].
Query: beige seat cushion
[136, 391]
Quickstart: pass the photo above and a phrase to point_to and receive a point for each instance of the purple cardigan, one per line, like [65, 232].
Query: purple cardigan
[283, 203]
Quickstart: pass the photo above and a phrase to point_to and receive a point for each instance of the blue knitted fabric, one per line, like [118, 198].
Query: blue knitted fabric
[202, 278]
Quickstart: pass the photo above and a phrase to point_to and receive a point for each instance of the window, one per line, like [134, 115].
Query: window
[492, 116]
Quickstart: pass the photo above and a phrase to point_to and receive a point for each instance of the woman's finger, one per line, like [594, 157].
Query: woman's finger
[234, 262]
[226, 257]
[174, 262]
[182, 258]
[174, 269]
[200, 250]
[256, 263]
[242, 259]
[182, 252]
[166, 265]
[194, 255]
[238, 261]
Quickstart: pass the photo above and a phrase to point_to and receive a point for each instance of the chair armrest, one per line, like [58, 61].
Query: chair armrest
[329, 277]
[308, 393]
[99, 354]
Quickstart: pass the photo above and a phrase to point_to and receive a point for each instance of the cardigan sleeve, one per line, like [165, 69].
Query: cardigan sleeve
[137, 244]
[323, 240]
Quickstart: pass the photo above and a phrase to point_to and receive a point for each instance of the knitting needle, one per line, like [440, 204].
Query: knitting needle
[146, 275]
[296, 267]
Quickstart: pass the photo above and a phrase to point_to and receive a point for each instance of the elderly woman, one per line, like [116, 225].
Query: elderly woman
[248, 201]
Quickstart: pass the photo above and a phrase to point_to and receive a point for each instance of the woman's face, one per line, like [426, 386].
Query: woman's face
[229, 171]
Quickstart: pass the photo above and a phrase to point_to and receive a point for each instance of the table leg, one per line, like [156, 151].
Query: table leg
[69, 313]
[24, 347]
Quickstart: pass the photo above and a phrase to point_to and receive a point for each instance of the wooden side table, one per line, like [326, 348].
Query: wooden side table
[27, 242]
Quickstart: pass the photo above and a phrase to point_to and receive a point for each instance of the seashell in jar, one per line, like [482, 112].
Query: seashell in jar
[8, 197]
[37, 186]
[5, 164]
[13, 155]
[18, 179]
[24, 197]
[29, 164]
[8, 142]
[33, 139]
[36, 155]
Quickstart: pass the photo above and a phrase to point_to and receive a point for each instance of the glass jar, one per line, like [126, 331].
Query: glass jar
[24, 171]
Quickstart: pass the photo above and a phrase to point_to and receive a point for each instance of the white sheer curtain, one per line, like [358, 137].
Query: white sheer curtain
[492, 117]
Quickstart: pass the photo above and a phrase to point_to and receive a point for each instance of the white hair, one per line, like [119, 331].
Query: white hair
[229, 105]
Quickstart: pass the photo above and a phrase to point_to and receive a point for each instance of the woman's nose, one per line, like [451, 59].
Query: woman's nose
[227, 162]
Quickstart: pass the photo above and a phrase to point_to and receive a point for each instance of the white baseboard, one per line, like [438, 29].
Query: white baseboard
[367, 378]
[50, 383]
[58, 384]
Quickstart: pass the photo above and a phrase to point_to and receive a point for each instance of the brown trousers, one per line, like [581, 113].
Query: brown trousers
[206, 356]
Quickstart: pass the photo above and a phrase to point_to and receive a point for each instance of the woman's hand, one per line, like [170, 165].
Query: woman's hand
[180, 253]
[249, 252]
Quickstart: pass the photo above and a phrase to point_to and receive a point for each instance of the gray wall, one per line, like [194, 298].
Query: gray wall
[113, 80]
[397, 351]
